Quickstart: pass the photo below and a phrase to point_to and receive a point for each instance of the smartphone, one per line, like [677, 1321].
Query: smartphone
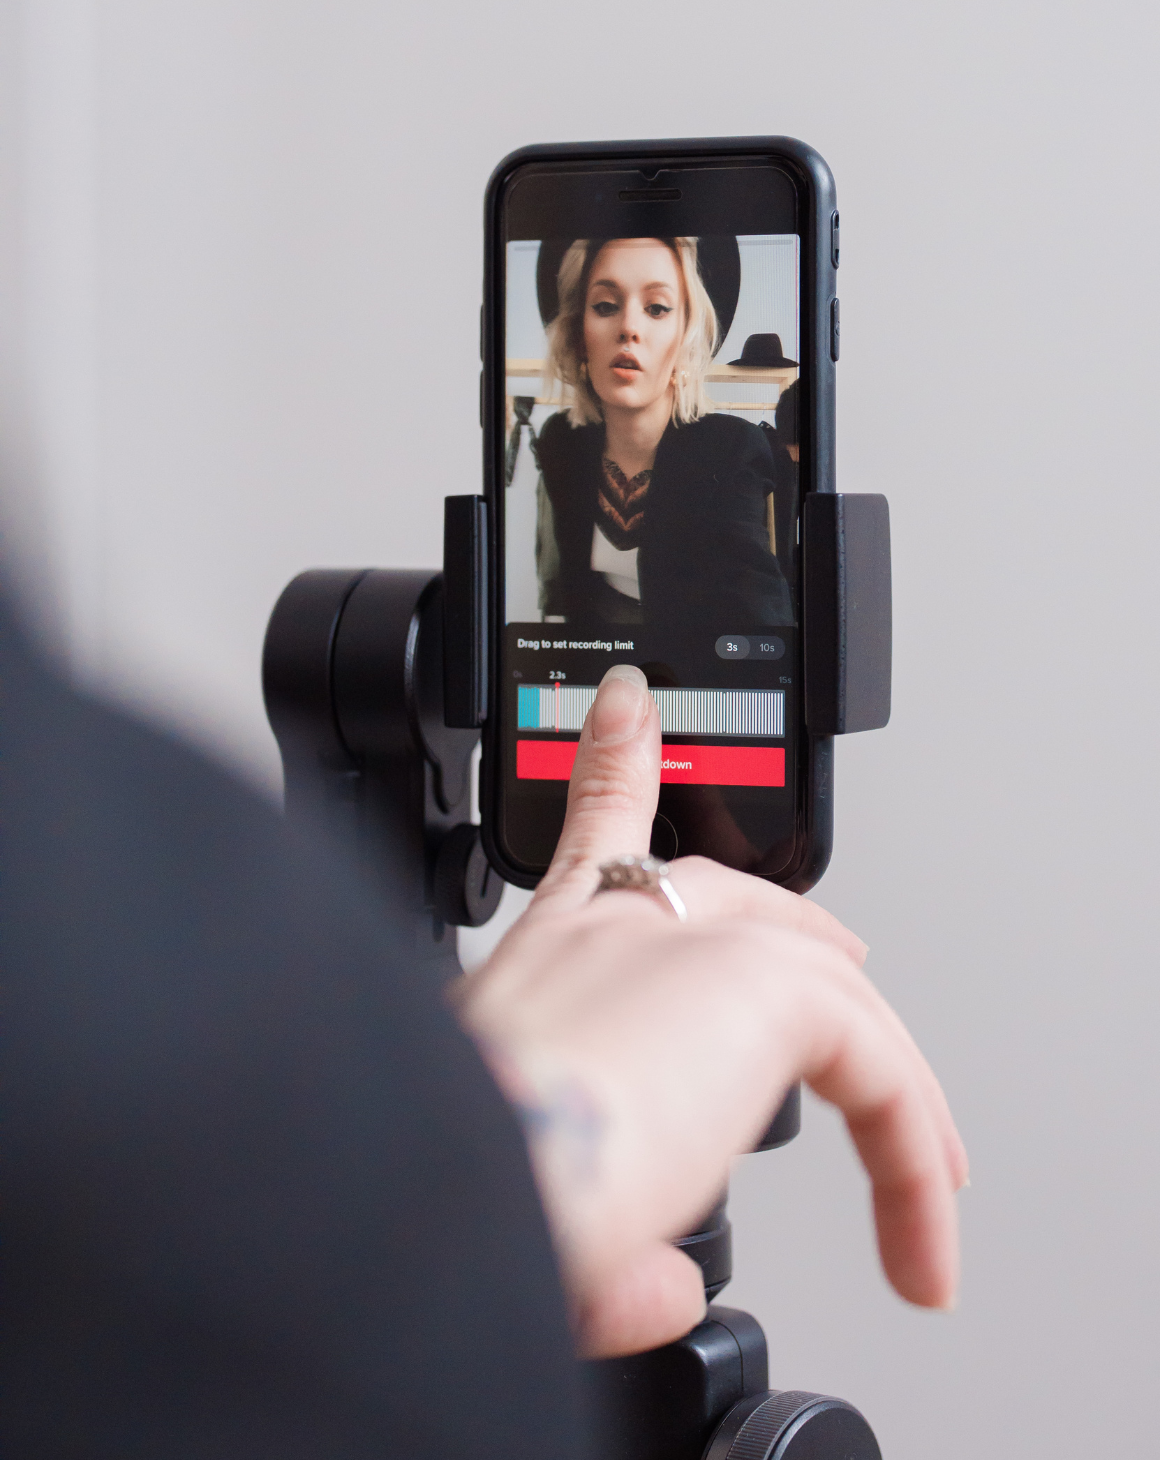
[659, 336]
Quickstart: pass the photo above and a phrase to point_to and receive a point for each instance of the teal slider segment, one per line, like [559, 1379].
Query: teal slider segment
[528, 707]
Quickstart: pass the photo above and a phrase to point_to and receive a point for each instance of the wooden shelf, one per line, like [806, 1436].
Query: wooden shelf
[717, 374]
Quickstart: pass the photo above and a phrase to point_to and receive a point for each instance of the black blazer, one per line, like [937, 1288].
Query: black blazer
[704, 544]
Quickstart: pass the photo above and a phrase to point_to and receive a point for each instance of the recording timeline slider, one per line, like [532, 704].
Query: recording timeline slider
[562, 709]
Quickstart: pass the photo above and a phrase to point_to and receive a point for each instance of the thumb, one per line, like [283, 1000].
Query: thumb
[612, 798]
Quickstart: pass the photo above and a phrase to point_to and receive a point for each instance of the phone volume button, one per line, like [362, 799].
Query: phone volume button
[835, 330]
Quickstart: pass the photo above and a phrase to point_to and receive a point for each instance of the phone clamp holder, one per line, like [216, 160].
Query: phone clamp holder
[376, 684]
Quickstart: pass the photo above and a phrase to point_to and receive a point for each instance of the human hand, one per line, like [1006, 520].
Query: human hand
[645, 1054]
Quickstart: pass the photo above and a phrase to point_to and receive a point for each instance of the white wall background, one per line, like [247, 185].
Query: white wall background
[239, 275]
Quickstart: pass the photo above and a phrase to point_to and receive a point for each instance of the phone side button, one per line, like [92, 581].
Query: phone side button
[481, 400]
[835, 330]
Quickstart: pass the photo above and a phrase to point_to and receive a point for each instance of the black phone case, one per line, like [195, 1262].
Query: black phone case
[818, 216]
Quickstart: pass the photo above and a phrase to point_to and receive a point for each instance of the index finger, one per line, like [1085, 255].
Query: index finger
[612, 795]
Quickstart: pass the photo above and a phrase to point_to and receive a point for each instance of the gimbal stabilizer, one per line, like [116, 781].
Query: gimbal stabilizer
[376, 683]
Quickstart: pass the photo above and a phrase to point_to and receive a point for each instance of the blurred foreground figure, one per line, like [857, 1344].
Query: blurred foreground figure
[261, 1197]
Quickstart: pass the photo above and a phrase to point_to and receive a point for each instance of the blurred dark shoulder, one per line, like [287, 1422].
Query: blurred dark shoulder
[242, 1133]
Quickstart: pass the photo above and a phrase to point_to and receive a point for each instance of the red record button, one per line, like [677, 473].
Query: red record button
[690, 765]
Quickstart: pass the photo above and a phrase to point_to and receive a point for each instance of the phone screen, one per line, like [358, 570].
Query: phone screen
[649, 493]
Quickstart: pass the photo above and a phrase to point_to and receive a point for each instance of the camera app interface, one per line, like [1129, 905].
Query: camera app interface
[650, 516]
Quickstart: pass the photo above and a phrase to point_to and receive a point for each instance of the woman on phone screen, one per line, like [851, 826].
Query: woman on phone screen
[653, 508]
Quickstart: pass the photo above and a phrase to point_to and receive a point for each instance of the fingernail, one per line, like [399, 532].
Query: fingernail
[621, 705]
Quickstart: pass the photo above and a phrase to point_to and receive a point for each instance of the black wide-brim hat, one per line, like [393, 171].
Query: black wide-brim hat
[763, 352]
[718, 261]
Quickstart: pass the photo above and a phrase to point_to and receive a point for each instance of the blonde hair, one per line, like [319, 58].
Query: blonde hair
[565, 369]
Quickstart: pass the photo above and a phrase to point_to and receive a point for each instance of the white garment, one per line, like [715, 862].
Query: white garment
[617, 565]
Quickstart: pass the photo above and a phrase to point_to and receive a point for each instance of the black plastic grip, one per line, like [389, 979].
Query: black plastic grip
[464, 612]
[846, 611]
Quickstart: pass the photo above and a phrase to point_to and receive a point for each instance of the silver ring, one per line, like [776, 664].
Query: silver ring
[628, 873]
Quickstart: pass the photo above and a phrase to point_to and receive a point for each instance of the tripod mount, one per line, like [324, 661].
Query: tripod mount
[375, 683]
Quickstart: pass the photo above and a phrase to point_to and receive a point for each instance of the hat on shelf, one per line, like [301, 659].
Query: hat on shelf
[763, 352]
[718, 263]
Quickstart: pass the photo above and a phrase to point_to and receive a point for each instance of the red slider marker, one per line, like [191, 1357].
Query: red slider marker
[689, 765]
